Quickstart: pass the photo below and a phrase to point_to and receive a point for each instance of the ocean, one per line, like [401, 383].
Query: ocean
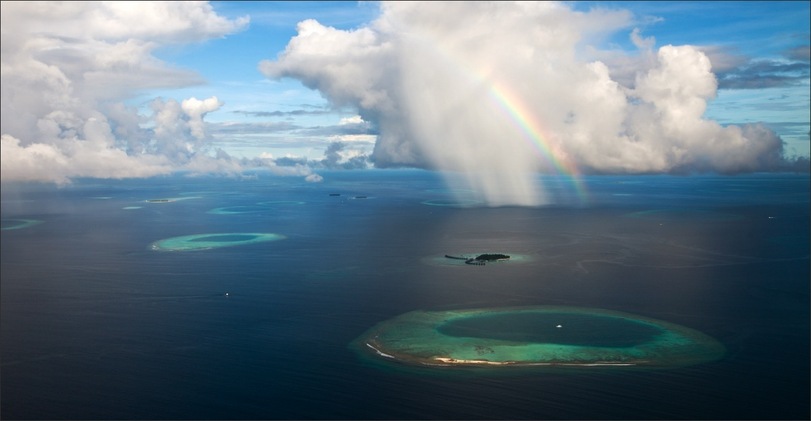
[96, 323]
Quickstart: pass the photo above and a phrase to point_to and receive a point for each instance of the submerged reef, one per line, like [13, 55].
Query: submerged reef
[536, 336]
[16, 224]
[210, 241]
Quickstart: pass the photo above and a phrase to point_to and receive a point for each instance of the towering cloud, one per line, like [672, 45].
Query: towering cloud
[502, 90]
[497, 91]
[66, 69]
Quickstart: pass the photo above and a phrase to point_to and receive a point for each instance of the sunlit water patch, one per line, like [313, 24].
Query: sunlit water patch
[199, 193]
[274, 203]
[457, 203]
[450, 191]
[210, 241]
[234, 210]
[260, 207]
[674, 215]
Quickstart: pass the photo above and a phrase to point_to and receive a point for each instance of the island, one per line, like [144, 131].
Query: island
[170, 199]
[481, 259]
[536, 336]
[462, 258]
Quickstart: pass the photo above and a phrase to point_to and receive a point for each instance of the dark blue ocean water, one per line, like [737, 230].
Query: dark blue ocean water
[96, 325]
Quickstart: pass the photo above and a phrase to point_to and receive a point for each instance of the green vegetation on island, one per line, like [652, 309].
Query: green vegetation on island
[481, 259]
[491, 257]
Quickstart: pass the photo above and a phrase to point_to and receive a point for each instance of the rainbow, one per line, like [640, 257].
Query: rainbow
[519, 113]
[514, 108]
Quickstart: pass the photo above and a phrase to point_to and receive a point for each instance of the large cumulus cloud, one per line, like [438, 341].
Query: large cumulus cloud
[502, 90]
[66, 70]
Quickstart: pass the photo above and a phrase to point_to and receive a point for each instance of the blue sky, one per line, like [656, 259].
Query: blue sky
[239, 84]
[748, 31]
[310, 108]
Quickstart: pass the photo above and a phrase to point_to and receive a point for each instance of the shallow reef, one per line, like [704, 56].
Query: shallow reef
[536, 336]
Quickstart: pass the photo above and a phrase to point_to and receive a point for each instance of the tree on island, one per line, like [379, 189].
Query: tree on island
[480, 259]
[488, 257]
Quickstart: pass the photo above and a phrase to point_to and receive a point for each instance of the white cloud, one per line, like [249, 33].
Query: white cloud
[643, 43]
[497, 89]
[314, 178]
[471, 85]
[356, 119]
[66, 70]
[357, 138]
[177, 22]
[196, 109]
[179, 131]
[49, 163]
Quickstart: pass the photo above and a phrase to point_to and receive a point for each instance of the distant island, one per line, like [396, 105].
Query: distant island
[481, 259]
[170, 199]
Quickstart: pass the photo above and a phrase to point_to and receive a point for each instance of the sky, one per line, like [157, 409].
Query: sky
[499, 91]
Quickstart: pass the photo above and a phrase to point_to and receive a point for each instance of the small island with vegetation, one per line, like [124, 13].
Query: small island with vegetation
[481, 259]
